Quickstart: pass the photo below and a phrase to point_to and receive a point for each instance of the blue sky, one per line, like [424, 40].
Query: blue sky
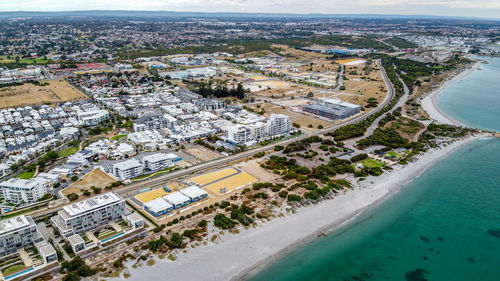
[469, 8]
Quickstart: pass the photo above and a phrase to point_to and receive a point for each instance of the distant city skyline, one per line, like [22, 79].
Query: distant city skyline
[458, 8]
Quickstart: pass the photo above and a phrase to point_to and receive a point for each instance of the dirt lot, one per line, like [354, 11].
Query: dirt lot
[202, 153]
[29, 94]
[96, 178]
[301, 119]
[253, 168]
[362, 89]
[281, 92]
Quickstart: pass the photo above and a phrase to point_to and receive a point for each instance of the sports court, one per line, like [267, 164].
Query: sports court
[214, 176]
[231, 183]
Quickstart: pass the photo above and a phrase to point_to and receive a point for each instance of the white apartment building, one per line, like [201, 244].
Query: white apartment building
[278, 124]
[89, 214]
[157, 161]
[16, 233]
[93, 117]
[258, 131]
[128, 169]
[238, 134]
[16, 190]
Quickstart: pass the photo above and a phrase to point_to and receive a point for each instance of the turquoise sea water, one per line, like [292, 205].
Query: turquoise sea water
[442, 226]
[475, 100]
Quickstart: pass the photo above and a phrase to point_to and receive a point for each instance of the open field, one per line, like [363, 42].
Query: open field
[363, 85]
[26, 175]
[301, 119]
[68, 151]
[214, 176]
[202, 153]
[12, 59]
[29, 94]
[96, 178]
[253, 168]
[372, 163]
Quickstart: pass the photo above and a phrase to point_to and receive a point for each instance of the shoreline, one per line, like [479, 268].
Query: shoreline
[429, 101]
[240, 256]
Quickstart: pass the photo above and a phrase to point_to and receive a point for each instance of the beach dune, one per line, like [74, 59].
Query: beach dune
[237, 256]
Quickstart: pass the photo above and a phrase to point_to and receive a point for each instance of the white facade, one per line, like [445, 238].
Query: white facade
[89, 214]
[93, 117]
[17, 232]
[279, 124]
[128, 169]
[157, 161]
[238, 134]
[17, 190]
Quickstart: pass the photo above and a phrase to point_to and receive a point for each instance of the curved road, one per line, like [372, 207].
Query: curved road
[128, 190]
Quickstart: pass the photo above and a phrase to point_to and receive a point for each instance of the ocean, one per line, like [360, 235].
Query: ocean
[445, 225]
[475, 100]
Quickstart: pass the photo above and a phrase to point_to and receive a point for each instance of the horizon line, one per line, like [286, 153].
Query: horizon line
[422, 16]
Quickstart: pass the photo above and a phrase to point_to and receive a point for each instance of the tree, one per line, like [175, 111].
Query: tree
[85, 271]
[72, 196]
[72, 276]
[310, 94]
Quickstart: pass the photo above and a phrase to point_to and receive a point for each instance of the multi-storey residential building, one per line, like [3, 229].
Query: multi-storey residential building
[278, 124]
[16, 190]
[93, 117]
[238, 134]
[258, 131]
[128, 169]
[153, 122]
[210, 104]
[89, 214]
[157, 161]
[17, 232]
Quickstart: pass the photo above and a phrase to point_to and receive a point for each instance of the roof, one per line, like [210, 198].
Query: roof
[193, 191]
[158, 205]
[14, 223]
[172, 156]
[23, 184]
[76, 239]
[155, 157]
[47, 250]
[129, 164]
[134, 217]
[175, 198]
[341, 103]
[92, 203]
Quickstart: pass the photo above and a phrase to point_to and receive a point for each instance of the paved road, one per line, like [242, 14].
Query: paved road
[130, 190]
[340, 80]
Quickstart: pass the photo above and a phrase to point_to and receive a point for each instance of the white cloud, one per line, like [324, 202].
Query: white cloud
[477, 8]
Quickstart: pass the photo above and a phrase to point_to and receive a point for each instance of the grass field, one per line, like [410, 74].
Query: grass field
[117, 137]
[25, 175]
[29, 94]
[13, 269]
[68, 151]
[12, 59]
[372, 163]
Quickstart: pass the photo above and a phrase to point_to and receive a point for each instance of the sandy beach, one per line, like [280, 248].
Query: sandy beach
[429, 102]
[236, 256]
